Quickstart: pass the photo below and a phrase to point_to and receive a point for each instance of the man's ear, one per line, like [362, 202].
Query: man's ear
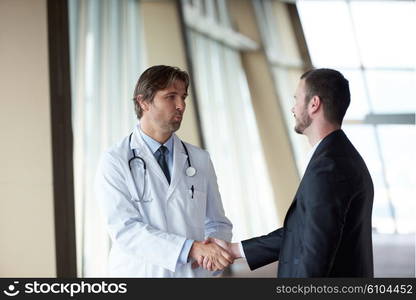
[143, 104]
[314, 104]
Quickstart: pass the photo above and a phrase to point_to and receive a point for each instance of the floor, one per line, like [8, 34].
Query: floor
[394, 256]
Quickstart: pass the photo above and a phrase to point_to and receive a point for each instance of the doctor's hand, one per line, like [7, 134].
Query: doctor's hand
[217, 256]
[231, 248]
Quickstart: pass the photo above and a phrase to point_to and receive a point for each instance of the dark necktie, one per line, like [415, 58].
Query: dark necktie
[161, 159]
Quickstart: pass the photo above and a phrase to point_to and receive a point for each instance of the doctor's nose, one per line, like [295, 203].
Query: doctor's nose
[180, 105]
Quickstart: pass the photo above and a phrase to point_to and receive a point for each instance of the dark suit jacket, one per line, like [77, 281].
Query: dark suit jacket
[327, 229]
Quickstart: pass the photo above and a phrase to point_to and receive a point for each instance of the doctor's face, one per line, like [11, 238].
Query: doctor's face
[168, 106]
[300, 109]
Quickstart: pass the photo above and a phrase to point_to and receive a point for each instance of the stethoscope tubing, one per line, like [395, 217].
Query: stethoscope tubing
[145, 166]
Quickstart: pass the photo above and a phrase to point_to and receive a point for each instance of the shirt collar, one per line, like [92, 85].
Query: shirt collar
[312, 151]
[155, 145]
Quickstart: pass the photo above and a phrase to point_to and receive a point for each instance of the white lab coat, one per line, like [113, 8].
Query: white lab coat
[148, 234]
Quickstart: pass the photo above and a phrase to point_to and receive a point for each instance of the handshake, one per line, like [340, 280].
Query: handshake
[213, 254]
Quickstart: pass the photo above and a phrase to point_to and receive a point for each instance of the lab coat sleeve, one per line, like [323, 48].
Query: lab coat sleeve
[216, 223]
[125, 224]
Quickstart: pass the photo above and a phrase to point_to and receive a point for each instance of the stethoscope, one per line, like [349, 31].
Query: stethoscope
[190, 171]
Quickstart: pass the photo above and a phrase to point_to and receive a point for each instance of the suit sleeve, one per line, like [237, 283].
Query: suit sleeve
[326, 206]
[263, 250]
[216, 223]
[125, 224]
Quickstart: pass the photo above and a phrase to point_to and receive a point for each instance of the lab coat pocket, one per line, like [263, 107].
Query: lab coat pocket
[196, 205]
[196, 195]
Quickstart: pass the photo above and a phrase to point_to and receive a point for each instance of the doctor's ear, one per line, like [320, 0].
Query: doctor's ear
[144, 105]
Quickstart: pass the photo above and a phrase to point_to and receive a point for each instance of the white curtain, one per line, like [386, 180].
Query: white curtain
[105, 64]
[230, 130]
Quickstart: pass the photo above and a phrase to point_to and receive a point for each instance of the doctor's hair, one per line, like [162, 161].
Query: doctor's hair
[154, 79]
[333, 90]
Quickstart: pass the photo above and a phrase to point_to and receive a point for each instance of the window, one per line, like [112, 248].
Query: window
[283, 55]
[228, 121]
[372, 44]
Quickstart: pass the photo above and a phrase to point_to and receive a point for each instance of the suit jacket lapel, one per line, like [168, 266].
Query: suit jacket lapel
[320, 149]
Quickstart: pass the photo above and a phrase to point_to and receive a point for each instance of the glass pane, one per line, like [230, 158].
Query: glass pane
[286, 82]
[359, 103]
[386, 32]
[392, 91]
[363, 138]
[328, 32]
[400, 173]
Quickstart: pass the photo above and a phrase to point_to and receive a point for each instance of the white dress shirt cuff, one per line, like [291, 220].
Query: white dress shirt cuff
[183, 257]
[240, 247]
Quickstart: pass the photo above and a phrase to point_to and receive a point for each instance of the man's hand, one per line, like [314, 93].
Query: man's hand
[218, 257]
[231, 248]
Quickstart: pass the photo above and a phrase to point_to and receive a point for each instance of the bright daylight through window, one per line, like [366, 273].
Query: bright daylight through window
[372, 43]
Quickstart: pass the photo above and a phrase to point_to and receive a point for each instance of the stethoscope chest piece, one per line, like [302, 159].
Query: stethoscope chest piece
[190, 172]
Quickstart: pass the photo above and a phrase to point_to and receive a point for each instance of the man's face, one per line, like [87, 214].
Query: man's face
[168, 106]
[300, 109]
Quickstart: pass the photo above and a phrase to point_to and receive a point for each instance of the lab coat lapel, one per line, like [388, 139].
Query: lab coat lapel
[143, 151]
[179, 159]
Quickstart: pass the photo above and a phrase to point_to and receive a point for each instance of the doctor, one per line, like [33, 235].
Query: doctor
[159, 195]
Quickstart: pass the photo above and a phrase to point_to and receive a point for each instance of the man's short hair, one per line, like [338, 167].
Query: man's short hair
[333, 90]
[154, 79]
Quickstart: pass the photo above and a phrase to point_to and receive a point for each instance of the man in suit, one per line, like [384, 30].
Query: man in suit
[327, 229]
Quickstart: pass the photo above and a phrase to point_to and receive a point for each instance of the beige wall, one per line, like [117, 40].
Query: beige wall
[164, 45]
[26, 194]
